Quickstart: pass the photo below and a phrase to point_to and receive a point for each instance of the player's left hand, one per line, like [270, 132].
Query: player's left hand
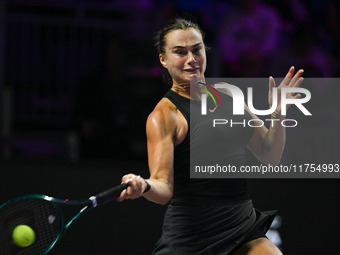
[288, 81]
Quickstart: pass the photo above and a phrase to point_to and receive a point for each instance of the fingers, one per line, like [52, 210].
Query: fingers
[298, 73]
[122, 196]
[126, 178]
[270, 91]
[271, 83]
[297, 79]
[134, 190]
[297, 96]
[291, 81]
[296, 82]
[289, 75]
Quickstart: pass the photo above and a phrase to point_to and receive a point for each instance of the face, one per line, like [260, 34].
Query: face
[184, 55]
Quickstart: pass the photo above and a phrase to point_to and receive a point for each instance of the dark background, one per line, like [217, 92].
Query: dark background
[79, 78]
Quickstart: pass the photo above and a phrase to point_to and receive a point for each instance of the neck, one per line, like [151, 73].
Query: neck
[185, 90]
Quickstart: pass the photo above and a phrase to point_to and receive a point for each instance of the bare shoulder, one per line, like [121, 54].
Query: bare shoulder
[163, 117]
[224, 90]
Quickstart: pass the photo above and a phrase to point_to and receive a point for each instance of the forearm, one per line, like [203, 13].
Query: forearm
[160, 191]
[274, 142]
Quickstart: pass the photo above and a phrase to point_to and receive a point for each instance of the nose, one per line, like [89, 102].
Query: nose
[191, 58]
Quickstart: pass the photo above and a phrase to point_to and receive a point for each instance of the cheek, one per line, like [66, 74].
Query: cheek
[176, 64]
[204, 63]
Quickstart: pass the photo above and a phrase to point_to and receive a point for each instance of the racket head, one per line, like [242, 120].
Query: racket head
[40, 213]
[44, 215]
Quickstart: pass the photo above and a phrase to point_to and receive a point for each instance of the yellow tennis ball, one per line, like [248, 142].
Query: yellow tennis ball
[23, 236]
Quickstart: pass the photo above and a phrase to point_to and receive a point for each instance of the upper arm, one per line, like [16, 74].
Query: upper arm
[160, 129]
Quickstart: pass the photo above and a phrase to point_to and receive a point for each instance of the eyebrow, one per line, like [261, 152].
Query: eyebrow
[182, 47]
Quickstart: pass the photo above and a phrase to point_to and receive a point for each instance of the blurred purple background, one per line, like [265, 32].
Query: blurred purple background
[79, 78]
[85, 71]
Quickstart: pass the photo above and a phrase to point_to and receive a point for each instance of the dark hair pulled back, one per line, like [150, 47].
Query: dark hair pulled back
[172, 25]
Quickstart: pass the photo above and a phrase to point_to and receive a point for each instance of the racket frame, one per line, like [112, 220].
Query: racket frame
[89, 203]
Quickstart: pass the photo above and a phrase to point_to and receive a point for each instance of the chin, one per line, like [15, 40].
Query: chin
[193, 75]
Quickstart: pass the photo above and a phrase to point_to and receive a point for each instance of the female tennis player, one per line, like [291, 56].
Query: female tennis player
[204, 216]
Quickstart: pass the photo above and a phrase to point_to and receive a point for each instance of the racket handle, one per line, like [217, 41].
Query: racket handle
[108, 195]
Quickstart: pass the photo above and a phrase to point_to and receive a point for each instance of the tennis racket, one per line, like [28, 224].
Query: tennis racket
[44, 215]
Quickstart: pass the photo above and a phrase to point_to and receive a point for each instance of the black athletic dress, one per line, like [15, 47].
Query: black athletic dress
[209, 216]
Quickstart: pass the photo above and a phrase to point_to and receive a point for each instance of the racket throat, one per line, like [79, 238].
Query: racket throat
[94, 201]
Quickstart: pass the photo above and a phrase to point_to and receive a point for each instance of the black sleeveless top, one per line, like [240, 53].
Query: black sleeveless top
[209, 191]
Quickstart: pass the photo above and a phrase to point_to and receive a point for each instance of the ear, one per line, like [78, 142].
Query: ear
[162, 60]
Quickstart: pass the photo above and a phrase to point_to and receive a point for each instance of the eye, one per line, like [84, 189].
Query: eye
[180, 52]
[196, 50]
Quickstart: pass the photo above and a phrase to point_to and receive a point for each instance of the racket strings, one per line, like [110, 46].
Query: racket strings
[42, 216]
